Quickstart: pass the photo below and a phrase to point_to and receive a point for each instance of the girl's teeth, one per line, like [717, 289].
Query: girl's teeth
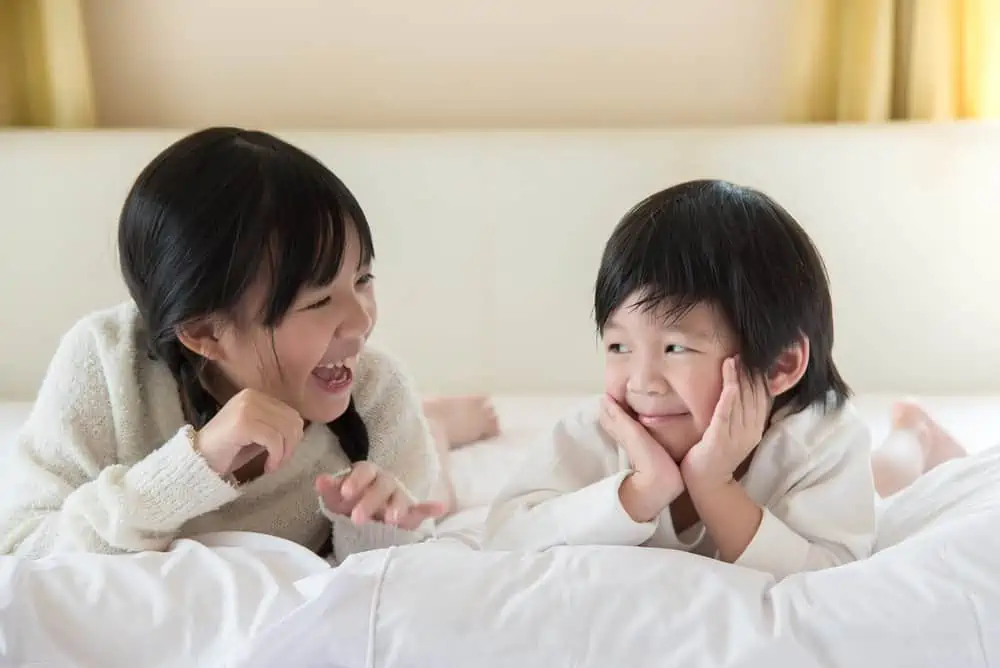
[348, 362]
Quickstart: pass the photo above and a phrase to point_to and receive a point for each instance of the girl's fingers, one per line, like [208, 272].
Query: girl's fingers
[361, 476]
[419, 512]
[372, 504]
[272, 440]
[328, 488]
[397, 508]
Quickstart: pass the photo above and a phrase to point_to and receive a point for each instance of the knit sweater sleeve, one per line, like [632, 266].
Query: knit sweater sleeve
[64, 489]
[401, 445]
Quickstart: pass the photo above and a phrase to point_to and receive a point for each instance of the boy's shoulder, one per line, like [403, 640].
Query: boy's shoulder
[582, 415]
[820, 431]
[580, 425]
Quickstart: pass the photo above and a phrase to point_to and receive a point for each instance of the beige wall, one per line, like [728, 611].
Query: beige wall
[458, 63]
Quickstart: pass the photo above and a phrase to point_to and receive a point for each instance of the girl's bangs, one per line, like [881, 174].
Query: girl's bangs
[313, 215]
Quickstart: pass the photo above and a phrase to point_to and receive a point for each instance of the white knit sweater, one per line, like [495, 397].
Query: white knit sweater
[105, 461]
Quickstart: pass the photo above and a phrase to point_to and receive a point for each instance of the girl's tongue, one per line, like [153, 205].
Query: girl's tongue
[328, 375]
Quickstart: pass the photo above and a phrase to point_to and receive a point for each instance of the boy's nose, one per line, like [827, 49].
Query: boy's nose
[648, 382]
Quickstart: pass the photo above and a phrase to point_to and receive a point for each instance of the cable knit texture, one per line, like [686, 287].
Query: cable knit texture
[105, 461]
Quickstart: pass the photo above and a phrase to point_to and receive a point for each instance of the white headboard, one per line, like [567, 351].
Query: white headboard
[487, 243]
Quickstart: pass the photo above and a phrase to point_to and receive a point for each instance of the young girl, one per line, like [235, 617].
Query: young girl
[235, 391]
[725, 427]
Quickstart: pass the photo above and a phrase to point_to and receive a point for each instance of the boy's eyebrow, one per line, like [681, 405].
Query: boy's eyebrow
[693, 332]
[672, 325]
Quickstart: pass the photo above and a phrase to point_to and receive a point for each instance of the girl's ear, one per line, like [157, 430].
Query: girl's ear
[789, 368]
[201, 336]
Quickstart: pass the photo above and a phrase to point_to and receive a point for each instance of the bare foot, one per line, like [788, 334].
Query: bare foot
[463, 420]
[937, 444]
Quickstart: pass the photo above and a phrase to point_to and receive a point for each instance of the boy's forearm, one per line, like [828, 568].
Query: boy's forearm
[730, 516]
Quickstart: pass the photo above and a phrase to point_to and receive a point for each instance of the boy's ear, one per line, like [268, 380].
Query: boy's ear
[201, 336]
[789, 368]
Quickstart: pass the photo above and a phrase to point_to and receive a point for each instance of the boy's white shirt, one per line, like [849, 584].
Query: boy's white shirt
[811, 475]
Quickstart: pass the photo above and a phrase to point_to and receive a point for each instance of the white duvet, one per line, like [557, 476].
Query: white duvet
[929, 597]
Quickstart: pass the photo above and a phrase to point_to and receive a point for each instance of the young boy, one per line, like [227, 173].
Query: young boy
[725, 427]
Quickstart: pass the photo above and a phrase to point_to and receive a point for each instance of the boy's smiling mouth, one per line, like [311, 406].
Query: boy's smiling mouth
[652, 419]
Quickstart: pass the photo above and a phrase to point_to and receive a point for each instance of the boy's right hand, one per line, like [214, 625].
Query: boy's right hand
[656, 481]
[249, 424]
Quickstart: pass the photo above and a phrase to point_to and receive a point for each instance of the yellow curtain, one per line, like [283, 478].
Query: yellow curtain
[45, 75]
[879, 60]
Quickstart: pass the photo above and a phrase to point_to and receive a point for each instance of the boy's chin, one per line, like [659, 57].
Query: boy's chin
[676, 445]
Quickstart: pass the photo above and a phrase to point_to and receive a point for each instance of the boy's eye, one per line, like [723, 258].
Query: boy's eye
[674, 348]
[617, 348]
[365, 279]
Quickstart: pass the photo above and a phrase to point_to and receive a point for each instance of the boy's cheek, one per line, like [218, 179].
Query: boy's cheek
[614, 386]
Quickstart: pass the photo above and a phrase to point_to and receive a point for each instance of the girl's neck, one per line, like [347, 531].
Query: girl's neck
[217, 385]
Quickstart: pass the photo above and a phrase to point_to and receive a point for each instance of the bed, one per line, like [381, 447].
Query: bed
[251, 601]
[516, 221]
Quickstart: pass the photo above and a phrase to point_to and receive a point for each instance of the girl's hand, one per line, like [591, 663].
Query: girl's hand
[736, 428]
[366, 494]
[656, 481]
[250, 424]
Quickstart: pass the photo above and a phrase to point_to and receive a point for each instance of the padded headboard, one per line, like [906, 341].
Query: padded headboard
[487, 243]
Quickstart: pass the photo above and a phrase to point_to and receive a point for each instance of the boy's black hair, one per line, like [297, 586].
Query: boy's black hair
[717, 243]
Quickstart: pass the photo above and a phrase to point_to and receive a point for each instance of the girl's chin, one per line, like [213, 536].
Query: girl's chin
[325, 409]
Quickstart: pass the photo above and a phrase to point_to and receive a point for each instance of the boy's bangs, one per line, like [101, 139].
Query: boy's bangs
[669, 282]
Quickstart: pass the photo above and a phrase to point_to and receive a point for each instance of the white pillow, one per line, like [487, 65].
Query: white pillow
[930, 600]
[189, 606]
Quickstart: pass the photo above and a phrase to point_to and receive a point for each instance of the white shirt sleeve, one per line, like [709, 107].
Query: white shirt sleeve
[822, 513]
[566, 493]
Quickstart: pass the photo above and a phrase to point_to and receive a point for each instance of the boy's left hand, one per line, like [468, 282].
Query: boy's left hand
[735, 430]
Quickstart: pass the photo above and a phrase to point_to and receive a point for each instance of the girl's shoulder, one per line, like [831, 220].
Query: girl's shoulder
[101, 342]
[91, 385]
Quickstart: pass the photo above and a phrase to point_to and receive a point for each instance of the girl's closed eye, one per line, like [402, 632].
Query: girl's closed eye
[317, 304]
[366, 278]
